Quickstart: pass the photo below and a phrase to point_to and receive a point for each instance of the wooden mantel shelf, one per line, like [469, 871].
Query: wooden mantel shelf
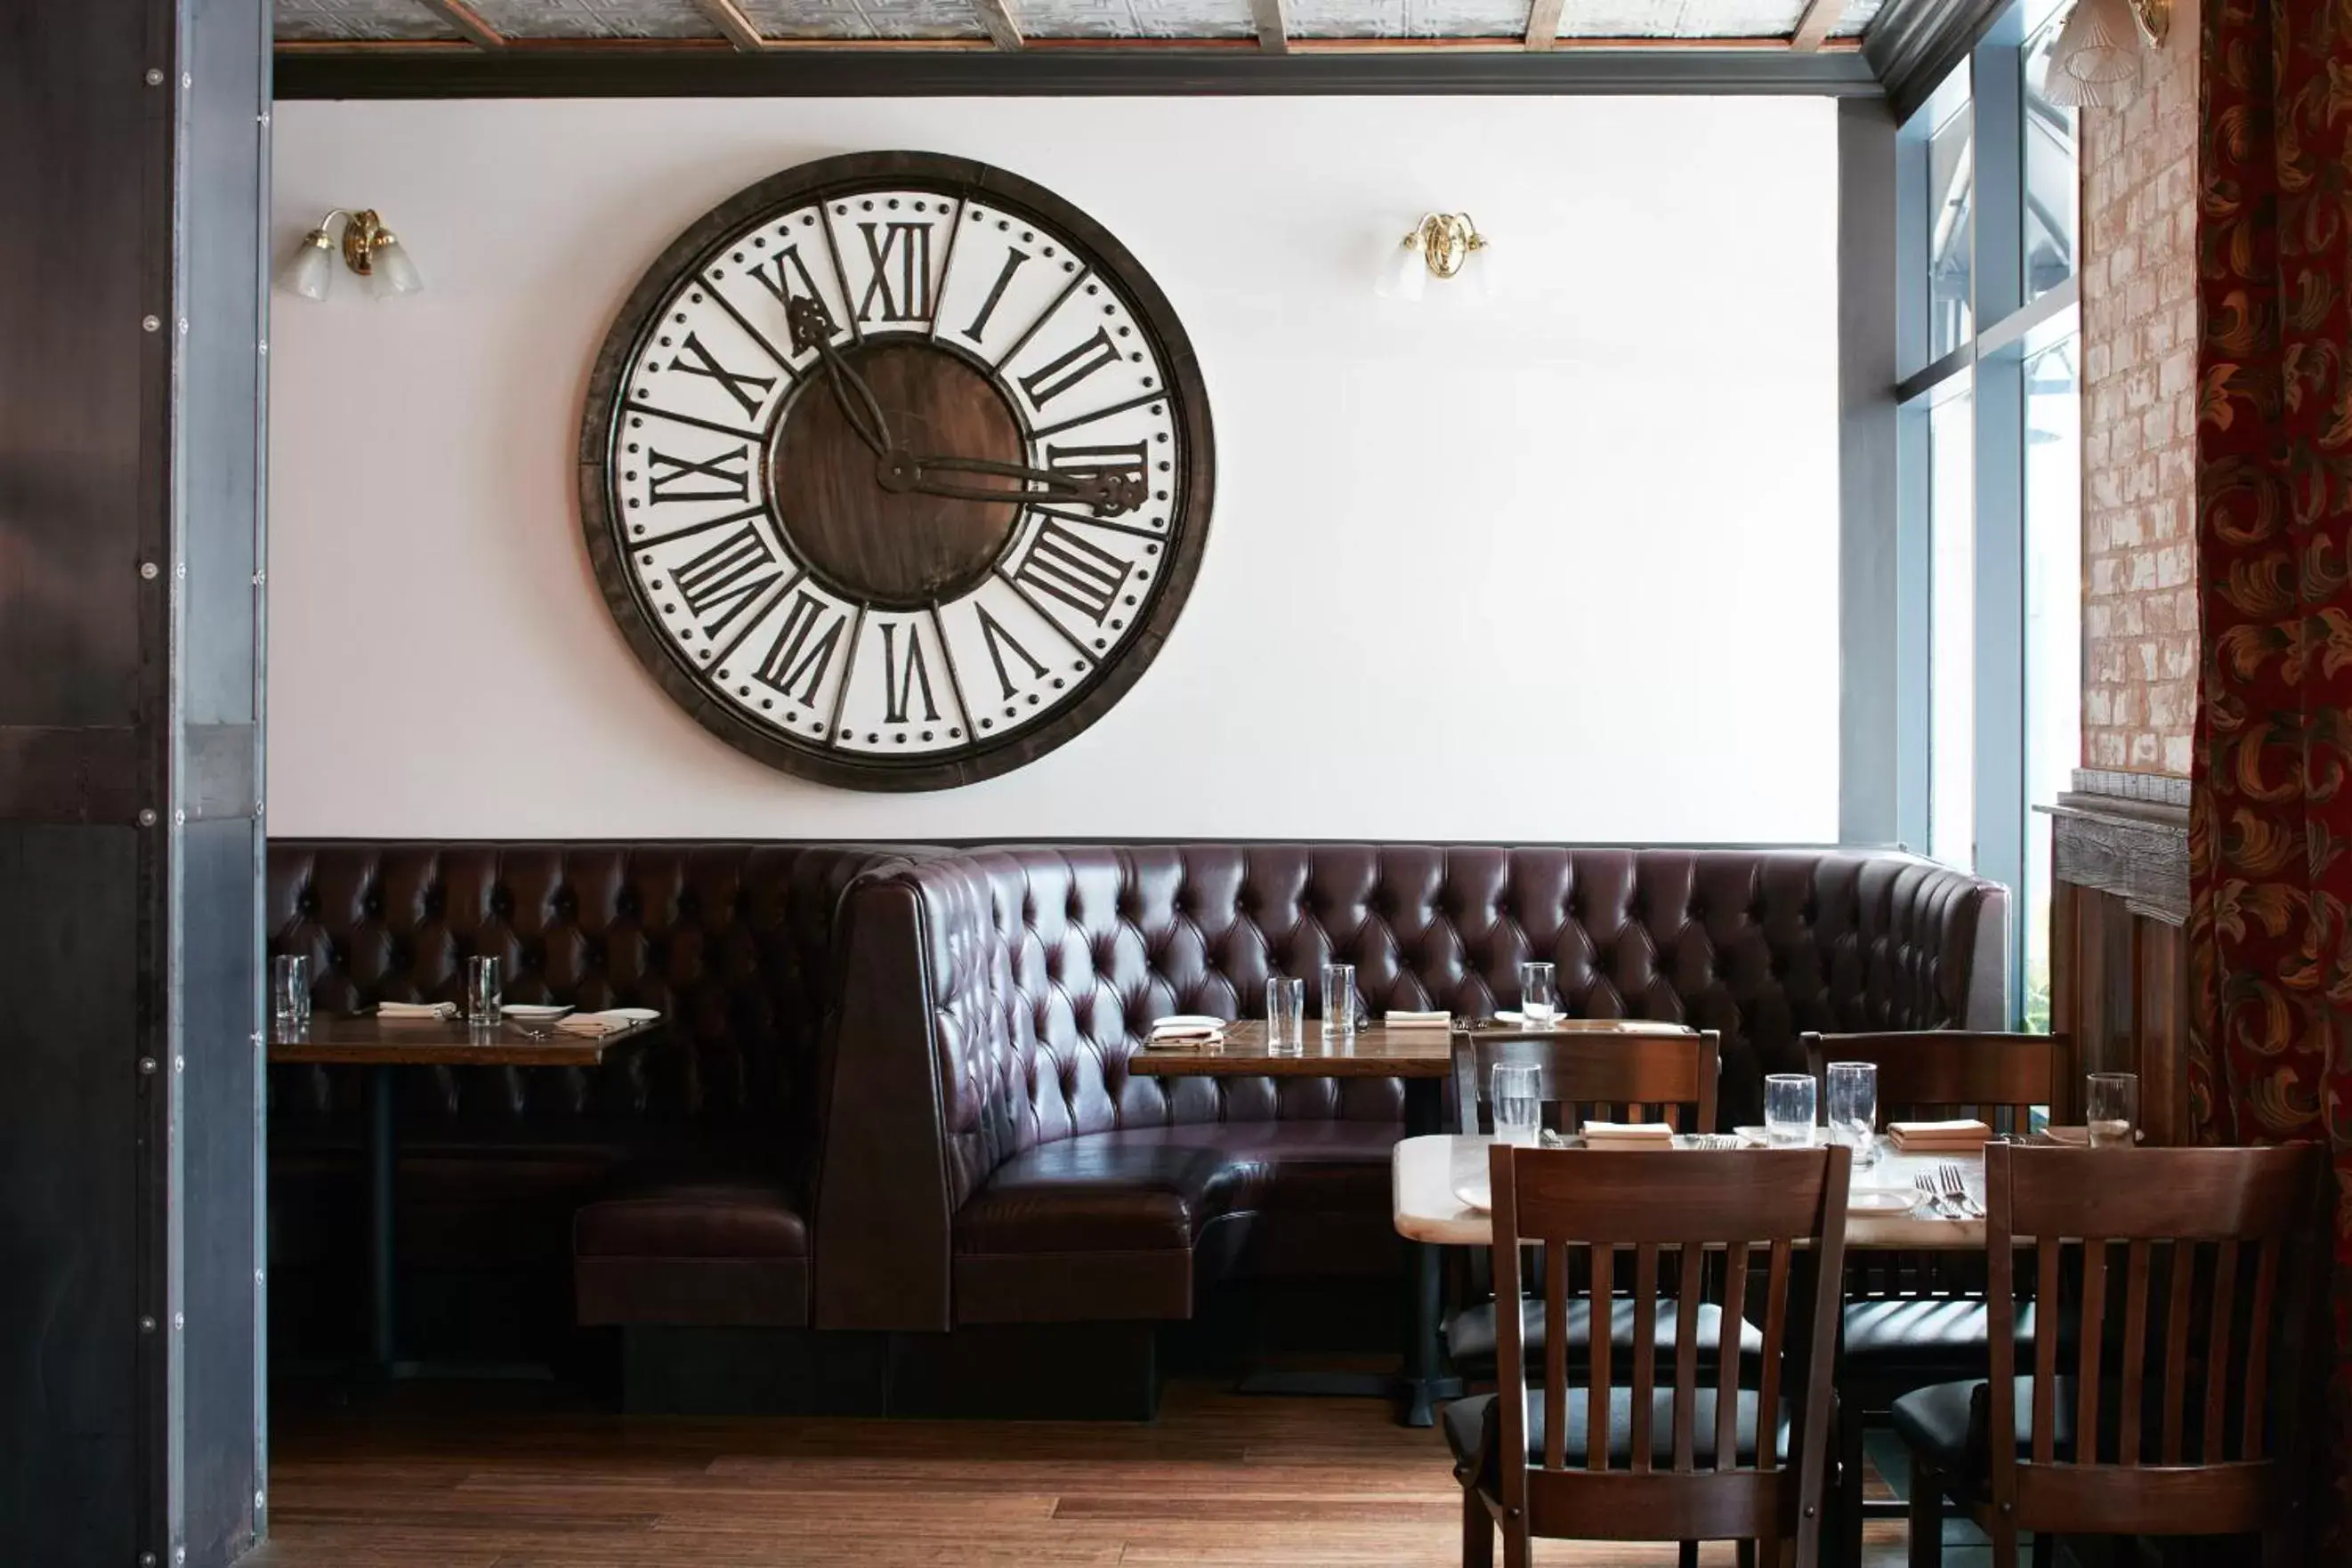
[2126, 835]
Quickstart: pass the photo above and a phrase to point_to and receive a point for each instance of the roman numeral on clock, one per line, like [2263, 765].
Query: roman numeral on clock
[708, 366]
[728, 578]
[727, 477]
[900, 682]
[1013, 261]
[901, 256]
[1001, 642]
[1115, 462]
[802, 652]
[1051, 380]
[1079, 572]
[781, 271]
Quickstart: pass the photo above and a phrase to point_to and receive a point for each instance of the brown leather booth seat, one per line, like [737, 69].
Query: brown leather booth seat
[995, 1158]
[695, 1156]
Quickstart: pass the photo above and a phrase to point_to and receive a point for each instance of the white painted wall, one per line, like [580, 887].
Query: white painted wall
[1590, 528]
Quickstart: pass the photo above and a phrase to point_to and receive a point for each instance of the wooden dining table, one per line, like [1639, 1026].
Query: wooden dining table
[1422, 1056]
[384, 1046]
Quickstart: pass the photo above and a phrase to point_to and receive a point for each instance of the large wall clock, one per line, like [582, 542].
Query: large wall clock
[895, 470]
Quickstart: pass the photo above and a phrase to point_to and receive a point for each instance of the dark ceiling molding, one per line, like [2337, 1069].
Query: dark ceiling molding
[657, 72]
[1915, 43]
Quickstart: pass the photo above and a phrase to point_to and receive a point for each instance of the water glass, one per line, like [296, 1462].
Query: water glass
[1789, 1109]
[1538, 994]
[289, 990]
[1853, 1108]
[2111, 1106]
[1286, 1017]
[1339, 999]
[1518, 1113]
[483, 991]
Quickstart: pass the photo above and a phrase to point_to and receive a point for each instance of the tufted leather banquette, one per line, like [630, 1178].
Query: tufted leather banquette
[1007, 1166]
[699, 1152]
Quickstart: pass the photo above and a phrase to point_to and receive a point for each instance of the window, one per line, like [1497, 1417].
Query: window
[2053, 633]
[1952, 626]
[1988, 473]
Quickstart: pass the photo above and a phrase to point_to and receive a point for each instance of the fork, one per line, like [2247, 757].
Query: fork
[1928, 1190]
[1955, 1188]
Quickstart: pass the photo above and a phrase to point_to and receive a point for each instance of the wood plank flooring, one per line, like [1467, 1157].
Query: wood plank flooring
[487, 1477]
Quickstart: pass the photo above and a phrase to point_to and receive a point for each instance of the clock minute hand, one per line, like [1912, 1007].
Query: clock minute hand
[812, 328]
[1107, 495]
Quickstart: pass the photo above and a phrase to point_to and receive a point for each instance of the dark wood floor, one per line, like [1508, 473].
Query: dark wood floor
[487, 1477]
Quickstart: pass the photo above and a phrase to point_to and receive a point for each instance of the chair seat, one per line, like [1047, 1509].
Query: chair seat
[692, 1216]
[1927, 1338]
[1474, 1426]
[1470, 1337]
[1948, 1425]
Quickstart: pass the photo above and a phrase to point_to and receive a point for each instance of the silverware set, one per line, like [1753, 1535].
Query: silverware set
[1945, 1193]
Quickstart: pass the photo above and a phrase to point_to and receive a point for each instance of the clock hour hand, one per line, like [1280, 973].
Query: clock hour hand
[812, 328]
[1107, 495]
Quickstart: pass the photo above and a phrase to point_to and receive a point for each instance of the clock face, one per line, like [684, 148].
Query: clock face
[895, 470]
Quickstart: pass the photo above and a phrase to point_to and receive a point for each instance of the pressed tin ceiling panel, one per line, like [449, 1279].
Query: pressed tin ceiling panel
[1136, 18]
[388, 21]
[357, 21]
[864, 18]
[595, 18]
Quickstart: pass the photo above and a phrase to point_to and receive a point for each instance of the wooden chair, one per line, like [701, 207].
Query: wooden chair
[1675, 1453]
[1915, 1319]
[2203, 1266]
[1666, 1075]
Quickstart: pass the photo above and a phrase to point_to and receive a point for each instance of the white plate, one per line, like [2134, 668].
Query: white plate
[1476, 1195]
[633, 1014]
[534, 1012]
[1760, 1138]
[1881, 1200]
[1186, 1021]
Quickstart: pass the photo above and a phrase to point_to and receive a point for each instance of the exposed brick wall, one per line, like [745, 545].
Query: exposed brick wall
[2139, 416]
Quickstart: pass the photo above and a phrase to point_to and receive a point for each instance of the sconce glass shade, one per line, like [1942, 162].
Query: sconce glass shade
[2095, 61]
[1405, 274]
[1485, 270]
[311, 271]
[390, 271]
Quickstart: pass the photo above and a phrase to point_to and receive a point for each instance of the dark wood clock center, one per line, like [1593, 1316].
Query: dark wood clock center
[856, 532]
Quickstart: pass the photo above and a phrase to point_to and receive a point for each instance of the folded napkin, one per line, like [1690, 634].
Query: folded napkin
[596, 1023]
[2075, 1137]
[1938, 1136]
[416, 1009]
[1628, 1134]
[1400, 1018]
[1170, 1034]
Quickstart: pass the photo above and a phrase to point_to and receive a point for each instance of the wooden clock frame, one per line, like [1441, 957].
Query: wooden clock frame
[600, 431]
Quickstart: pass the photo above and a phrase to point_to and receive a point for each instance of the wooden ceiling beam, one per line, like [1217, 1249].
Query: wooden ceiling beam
[1002, 24]
[729, 18]
[1273, 19]
[1543, 24]
[468, 22]
[1813, 28]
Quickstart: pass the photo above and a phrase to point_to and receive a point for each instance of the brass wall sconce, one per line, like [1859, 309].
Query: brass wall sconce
[369, 248]
[2096, 60]
[1442, 246]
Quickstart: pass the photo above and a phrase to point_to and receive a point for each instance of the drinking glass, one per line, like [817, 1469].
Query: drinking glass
[1538, 994]
[1339, 999]
[289, 990]
[2111, 1106]
[1286, 1017]
[1789, 1109]
[482, 991]
[1518, 1114]
[1853, 1108]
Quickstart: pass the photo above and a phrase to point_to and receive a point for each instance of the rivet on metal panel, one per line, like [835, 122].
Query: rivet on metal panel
[147, 1064]
[146, 817]
[151, 323]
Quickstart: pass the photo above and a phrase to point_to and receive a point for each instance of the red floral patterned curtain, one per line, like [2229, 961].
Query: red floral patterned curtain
[2270, 810]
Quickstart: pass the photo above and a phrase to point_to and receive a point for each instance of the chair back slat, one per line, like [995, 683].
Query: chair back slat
[2180, 1267]
[2249, 1442]
[2133, 1347]
[1598, 1336]
[1685, 1220]
[1671, 1075]
[2211, 1445]
[2218, 1368]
